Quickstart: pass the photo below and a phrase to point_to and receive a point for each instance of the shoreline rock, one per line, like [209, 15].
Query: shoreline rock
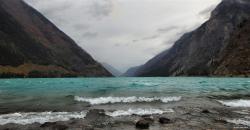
[164, 120]
[142, 124]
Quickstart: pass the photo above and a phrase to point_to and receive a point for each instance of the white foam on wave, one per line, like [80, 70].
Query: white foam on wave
[243, 112]
[39, 117]
[138, 111]
[105, 100]
[236, 103]
[239, 122]
[247, 117]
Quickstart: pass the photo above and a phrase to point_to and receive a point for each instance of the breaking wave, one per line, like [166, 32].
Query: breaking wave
[138, 111]
[239, 122]
[39, 117]
[106, 100]
[236, 103]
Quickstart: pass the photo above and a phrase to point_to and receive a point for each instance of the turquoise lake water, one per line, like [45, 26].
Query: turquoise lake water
[118, 96]
[64, 90]
[123, 87]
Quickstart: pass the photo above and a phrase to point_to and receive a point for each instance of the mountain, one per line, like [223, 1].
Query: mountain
[31, 46]
[235, 59]
[219, 47]
[112, 70]
[131, 72]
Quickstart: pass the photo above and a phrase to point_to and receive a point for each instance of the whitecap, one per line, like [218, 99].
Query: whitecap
[239, 122]
[247, 117]
[236, 103]
[243, 112]
[138, 111]
[105, 100]
[39, 117]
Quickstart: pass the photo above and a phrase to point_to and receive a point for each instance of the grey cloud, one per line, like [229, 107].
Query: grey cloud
[167, 29]
[172, 40]
[181, 31]
[150, 37]
[153, 51]
[121, 44]
[135, 40]
[117, 45]
[81, 27]
[99, 9]
[206, 12]
[147, 38]
[90, 35]
[109, 29]
[54, 10]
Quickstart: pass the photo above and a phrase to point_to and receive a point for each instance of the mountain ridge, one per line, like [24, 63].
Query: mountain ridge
[32, 46]
[197, 53]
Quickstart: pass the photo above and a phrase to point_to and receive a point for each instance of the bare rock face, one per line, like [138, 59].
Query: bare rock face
[216, 48]
[235, 58]
[32, 46]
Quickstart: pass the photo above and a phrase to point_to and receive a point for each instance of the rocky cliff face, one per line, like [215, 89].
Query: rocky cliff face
[217, 47]
[31, 46]
[235, 59]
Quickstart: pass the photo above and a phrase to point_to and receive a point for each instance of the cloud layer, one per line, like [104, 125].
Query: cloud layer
[125, 33]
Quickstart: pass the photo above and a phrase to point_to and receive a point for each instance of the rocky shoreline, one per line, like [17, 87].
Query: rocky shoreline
[194, 118]
[199, 104]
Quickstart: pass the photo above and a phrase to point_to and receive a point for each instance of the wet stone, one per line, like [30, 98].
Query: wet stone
[221, 121]
[148, 118]
[54, 126]
[205, 111]
[164, 120]
[48, 124]
[142, 124]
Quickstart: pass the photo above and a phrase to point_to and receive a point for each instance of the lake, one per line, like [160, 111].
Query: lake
[26, 101]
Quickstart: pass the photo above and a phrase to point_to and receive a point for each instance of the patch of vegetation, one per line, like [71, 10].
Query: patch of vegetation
[11, 75]
[51, 74]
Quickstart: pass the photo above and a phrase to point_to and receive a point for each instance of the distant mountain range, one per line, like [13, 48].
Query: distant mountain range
[219, 47]
[31, 46]
[131, 72]
[112, 69]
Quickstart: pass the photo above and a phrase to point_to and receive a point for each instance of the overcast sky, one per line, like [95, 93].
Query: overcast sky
[125, 33]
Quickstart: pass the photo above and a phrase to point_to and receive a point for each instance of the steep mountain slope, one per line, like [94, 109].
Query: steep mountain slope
[199, 53]
[131, 72]
[111, 69]
[235, 60]
[31, 46]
